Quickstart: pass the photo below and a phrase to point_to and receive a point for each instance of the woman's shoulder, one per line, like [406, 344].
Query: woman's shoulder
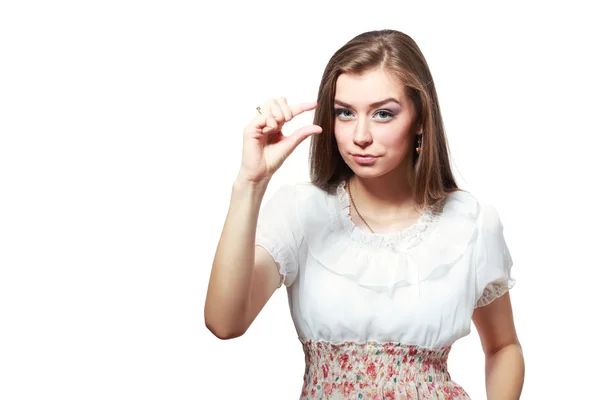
[299, 200]
[470, 203]
[478, 206]
[291, 191]
[304, 186]
[302, 193]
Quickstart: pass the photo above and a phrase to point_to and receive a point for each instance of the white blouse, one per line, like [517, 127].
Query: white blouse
[416, 286]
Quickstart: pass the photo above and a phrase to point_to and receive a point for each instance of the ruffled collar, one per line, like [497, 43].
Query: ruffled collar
[426, 250]
[339, 203]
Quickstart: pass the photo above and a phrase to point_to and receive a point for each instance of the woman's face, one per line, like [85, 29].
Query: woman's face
[373, 118]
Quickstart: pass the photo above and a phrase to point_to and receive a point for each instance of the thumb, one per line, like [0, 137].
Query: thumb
[297, 137]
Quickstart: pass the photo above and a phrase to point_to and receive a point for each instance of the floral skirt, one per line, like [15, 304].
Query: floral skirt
[377, 371]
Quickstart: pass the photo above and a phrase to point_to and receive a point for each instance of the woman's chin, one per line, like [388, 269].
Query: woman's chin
[372, 172]
[367, 172]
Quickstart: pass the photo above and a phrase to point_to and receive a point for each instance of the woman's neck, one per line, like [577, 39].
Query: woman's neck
[388, 197]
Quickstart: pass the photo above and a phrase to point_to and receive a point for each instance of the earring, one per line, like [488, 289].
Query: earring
[419, 142]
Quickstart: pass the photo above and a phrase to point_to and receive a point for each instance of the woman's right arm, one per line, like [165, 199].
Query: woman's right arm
[244, 276]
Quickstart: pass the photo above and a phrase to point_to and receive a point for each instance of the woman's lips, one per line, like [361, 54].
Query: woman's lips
[364, 160]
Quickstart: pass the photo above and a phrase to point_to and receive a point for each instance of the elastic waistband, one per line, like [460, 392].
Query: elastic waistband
[374, 361]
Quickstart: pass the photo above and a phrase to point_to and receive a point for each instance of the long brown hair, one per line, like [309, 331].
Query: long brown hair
[399, 55]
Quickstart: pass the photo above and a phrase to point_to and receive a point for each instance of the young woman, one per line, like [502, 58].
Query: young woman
[386, 261]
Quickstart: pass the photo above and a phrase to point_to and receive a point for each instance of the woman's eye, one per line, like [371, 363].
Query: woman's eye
[385, 114]
[343, 112]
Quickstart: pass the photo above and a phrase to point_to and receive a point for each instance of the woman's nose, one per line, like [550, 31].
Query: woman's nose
[362, 137]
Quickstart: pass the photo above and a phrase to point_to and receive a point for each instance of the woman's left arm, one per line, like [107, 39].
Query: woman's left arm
[504, 363]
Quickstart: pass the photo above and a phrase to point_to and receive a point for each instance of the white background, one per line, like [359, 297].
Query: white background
[121, 126]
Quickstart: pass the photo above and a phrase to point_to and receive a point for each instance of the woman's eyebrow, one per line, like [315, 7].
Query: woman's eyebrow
[376, 104]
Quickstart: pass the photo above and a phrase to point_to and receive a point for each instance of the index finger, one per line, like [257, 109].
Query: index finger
[302, 107]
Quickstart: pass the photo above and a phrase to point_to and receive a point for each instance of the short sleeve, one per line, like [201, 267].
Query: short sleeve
[493, 261]
[279, 232]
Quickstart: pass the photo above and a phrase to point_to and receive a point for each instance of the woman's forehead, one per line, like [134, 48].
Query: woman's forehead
[368, 88]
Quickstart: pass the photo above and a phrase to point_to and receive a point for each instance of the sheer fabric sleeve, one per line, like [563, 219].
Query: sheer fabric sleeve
[493, 261]
[279, 232]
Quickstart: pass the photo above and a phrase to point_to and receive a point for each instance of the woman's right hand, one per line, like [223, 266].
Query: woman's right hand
[265, 148]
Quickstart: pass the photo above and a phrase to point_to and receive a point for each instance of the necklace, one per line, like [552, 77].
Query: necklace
[354, 205]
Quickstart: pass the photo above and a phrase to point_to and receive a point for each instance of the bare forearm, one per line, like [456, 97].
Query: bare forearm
[231, 276]
[505, 373]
